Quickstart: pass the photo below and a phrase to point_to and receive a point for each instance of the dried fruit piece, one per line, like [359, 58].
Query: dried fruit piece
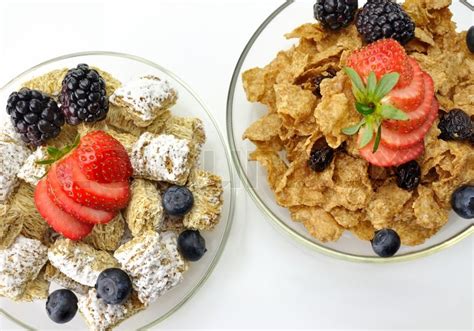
[408, 175]
[456, 125]
[321, 155]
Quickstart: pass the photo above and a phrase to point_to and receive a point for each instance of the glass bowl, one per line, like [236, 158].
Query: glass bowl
[261, 49]
[214, 157]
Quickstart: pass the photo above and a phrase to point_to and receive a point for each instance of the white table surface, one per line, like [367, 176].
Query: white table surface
[264, 280]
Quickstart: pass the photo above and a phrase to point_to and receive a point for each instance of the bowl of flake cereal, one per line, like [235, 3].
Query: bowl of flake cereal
[354, 131]
[116, 193]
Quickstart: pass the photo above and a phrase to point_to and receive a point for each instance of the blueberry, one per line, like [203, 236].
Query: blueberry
[61, 306]
[386, 242]
[178, 200]
[191, 245]
[113, 286]
[470, 39]
[462, 201]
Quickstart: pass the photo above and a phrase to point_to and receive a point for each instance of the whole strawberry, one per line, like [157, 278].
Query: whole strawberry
[382, 57]
[102, 158]
[396, 101]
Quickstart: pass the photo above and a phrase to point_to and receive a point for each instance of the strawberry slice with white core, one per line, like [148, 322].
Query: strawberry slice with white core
[410, 97]
[387, 157]
[397, 140]
[103, 196]
[80, 212]
[419, 116]
[59, 220]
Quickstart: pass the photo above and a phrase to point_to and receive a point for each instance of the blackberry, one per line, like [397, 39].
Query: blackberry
[83, 96]
[408, 175]
[329, 73]
[321, 155]
[335, 14]
[456, 125]
[35, 116]
[380, 19]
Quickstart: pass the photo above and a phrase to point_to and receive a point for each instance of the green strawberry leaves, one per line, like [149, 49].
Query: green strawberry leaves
[351, 130]
[367, 134]
[369, 105]
[392, 113]
[56, 154]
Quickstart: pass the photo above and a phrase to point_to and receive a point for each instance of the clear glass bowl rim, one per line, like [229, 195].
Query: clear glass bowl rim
[275, 220]
[225, 237]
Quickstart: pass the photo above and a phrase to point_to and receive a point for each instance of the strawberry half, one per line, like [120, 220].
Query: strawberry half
[78, 211]
[102, 158]
[411, 96]
[59, 220]
[395, 139]
[419, 116]
[387, 157]
[109, 197]
[382, 57]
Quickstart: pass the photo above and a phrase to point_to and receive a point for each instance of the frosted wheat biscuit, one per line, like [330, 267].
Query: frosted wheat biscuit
[54, 275]
[79, 261]
[23, 209]
[49, 83]
[117, 118]
[10, 225]
[12, 157]
[31, 172]
[107, 237]
[144, 98]
[207, 192]
[144, 211]
[8, 134]
[153, 267]
[20, 264]
[172, 223]
[161, 158]
[37, 289]
[189, 128]
[100, 316]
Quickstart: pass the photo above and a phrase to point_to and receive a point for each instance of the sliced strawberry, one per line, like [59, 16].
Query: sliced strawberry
[102, 158]
[80, 212]
[411, 96]
[382, 57]
[419, 116]
[397, 140]
[59, 220]
[387, 157]
[110, 197]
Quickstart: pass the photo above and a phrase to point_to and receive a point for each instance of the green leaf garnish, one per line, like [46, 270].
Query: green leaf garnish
[355, 78]
[353, 129]
[56, 154]
[386, 84]
[47, 161]
[369, 104]
[53, 151]
[371, 84]
[367, 134]
[364, 109]
[391, 113]
[377, 138]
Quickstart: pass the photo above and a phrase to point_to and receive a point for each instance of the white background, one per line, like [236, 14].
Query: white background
[264, 280]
